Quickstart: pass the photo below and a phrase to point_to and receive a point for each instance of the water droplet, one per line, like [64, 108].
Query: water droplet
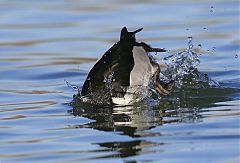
[236, 56]
[75, 87]
[211, 9]
[190, 45]
[205, 28]
[200, 45]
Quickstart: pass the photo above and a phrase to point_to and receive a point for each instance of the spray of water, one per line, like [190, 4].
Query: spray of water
[182, 68]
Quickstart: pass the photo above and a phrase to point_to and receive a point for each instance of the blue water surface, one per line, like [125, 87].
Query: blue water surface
[43, 43]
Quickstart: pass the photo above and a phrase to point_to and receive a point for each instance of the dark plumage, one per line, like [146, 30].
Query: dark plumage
[116, 67]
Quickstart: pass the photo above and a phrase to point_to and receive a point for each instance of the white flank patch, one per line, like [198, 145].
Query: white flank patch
[142, 70]
[140, 77]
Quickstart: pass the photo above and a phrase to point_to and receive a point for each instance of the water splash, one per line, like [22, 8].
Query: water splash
[181, 67]
[181, 63]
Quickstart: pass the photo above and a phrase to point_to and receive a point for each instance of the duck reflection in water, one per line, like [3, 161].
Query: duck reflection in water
[127, 119]
[136, 121]
[133, 121]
